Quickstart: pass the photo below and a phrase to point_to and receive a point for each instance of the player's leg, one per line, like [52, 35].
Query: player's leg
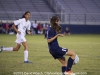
[64, 67]
[10, 48]
[17, 47]
[70, 59]
[64, 64]
[25, 52]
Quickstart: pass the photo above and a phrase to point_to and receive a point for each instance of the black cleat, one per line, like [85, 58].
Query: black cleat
[1, 49]
[27, 61]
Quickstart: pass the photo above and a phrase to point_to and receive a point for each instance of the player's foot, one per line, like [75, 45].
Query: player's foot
[27, 61]
[1, 49]
[76, 60]
[69, 73]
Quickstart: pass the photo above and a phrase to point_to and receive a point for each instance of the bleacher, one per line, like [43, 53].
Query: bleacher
[14, 9]
[74, 10]
[80, 6]
[81, 10]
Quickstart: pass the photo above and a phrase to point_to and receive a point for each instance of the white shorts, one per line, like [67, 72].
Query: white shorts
[20, 39]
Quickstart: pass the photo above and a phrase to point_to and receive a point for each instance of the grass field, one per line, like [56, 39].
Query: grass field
[87, 46]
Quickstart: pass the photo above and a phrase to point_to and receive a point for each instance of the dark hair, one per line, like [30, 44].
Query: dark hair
[55, 26]
[25, 14]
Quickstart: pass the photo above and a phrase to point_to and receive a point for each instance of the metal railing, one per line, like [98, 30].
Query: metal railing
[66, 18]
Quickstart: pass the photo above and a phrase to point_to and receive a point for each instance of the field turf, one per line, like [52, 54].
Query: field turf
[87, 47]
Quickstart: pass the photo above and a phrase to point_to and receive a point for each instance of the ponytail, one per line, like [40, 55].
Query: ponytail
[25, 14]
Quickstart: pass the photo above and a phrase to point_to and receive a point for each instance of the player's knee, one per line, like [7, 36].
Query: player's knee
[16, 49]
[73, 53]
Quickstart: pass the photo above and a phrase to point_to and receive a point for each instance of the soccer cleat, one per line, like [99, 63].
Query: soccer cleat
[1, 49]
[76, 60]
[27, 61]
[69, 73]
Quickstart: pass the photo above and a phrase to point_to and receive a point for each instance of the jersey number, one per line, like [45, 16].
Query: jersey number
[64, 49]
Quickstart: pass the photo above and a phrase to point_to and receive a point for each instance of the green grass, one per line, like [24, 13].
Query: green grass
[87, 46]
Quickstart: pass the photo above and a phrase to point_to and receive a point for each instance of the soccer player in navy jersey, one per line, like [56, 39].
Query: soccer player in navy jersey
[55, 50]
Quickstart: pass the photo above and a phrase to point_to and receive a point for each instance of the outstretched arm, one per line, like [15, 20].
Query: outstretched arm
[51, 39]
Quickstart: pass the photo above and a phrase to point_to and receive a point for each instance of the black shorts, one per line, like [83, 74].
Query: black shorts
[59, 53]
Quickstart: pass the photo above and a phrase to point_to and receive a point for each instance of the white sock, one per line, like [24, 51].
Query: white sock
[25, 55]
[8, 49]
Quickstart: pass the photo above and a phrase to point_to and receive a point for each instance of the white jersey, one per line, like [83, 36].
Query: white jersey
[22, 26]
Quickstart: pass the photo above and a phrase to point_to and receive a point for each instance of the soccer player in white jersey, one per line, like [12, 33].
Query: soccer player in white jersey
[23, 25]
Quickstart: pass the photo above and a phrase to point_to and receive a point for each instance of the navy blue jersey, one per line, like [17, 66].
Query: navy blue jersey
[54, 44]
[55, 50]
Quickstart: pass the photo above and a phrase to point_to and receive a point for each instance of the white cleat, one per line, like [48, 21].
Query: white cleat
[76, 60]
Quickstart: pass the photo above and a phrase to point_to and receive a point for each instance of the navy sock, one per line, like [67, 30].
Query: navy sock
[63, 69]
[69, 64]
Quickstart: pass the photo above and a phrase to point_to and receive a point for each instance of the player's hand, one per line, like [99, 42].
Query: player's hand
[60, 35]
[18, 32]
[29, 33]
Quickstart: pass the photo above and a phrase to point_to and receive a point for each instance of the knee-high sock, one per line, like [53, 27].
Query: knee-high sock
[69, 64]
[63, 69]
[8, 49]
[25, 55]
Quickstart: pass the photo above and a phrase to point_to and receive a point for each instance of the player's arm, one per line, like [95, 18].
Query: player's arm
[16, 22]
[14, 27]
[28, 28]
[51, 39]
